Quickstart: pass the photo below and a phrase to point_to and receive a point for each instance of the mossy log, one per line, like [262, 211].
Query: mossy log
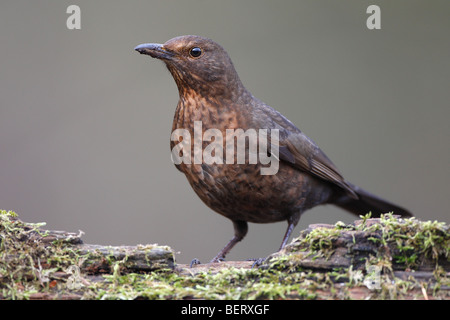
[392, 243]
[385, 258]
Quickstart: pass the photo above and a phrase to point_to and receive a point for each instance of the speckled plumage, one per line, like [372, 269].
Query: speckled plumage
[210, 91]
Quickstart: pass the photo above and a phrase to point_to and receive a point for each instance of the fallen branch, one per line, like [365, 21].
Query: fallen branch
[387, 258]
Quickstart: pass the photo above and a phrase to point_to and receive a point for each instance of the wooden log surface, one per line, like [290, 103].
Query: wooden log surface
[410, 260]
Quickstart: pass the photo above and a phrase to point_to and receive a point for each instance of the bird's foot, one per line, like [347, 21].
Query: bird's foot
[217, 259]
[257, 262]
[194, 262]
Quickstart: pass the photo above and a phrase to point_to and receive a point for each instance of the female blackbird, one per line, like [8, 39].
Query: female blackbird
[212, 97]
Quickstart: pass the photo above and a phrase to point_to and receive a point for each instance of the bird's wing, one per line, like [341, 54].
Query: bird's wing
[300, 151]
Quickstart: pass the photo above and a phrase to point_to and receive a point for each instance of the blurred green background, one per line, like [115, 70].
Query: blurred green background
[85, 121]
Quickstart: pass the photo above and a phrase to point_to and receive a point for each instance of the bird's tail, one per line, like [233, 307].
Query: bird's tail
[368, 202]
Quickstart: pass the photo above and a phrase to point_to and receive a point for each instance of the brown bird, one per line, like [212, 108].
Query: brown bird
[210, 91]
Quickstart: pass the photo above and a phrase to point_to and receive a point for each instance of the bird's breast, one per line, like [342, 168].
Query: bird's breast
[213, 113]
[225, 185]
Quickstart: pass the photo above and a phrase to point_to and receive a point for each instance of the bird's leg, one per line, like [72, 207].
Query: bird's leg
[291, 225]
[289, 229]
[240, 230]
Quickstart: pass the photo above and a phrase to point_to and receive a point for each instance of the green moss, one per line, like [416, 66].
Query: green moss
[231, 283]
[29, 267]
[26, 264]
[413, 241]
[374, 251]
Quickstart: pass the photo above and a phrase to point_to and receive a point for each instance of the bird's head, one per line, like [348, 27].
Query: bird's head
[198, 65]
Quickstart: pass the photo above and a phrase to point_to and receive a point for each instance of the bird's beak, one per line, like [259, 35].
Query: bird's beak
[155, 50]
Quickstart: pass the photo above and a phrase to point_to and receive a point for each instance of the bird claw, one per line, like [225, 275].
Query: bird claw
[257, 262]
[194, 262]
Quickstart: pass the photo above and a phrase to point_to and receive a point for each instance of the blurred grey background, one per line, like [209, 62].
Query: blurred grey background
[85, 120]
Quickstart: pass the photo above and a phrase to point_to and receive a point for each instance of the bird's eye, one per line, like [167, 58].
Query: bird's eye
[195, 52]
